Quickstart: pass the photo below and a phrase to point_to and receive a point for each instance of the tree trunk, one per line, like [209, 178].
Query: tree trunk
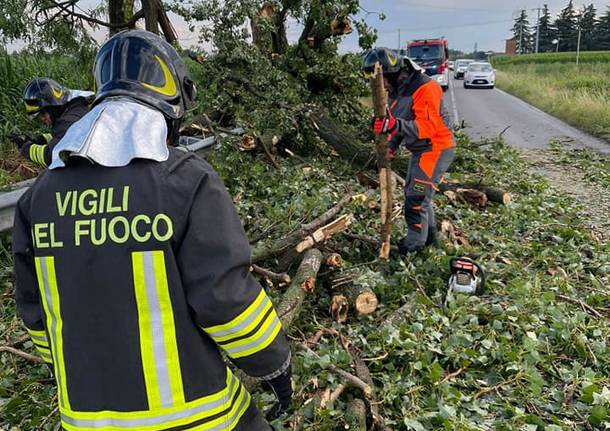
[151, 15]
[303, 283]
[355, 415]
[348, 145]
[492, 194]
[363, 372]
[380, 102]
[116, 15]
[274, 41]
[166, 25]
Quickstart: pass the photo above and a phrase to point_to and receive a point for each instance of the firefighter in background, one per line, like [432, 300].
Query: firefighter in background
[417, 119]
[57, 107]
[132, 266]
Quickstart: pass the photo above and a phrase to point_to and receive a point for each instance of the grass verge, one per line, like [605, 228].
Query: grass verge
[578, 95]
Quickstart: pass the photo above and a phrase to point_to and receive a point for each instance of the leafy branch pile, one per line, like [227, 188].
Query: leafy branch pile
[530, 353]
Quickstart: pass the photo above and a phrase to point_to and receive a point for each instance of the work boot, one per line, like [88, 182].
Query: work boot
[432, 238]
[405, 250]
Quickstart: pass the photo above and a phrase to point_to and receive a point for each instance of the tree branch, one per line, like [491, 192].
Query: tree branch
[63, 6]
[21, 354]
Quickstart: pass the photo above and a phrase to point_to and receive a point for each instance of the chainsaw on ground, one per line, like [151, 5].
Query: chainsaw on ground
[467, 276]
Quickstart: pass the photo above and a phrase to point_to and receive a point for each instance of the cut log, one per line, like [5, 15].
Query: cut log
[380, 102]
[355, 415]
[302, 284]
[492, 194]
[324, 233]
[334, 260]
[261, 252]
[360, 298]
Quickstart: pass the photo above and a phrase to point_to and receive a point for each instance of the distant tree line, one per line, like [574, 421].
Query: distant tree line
[560, 33]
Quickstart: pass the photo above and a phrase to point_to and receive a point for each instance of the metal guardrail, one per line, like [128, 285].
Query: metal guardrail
[9, 199]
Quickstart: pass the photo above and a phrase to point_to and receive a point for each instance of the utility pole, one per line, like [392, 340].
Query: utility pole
[538, 32]
[399, 41]
[578, 46]
[521, 34]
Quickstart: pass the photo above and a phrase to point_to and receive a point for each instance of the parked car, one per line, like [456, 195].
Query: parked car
[460, 68]
[451, 64]
[480, 74]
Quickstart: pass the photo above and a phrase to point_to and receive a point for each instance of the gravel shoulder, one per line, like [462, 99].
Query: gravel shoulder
[571, 181]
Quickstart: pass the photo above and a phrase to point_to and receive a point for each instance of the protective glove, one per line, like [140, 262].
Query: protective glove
[282, 388]
[19, 140]
[383, 125]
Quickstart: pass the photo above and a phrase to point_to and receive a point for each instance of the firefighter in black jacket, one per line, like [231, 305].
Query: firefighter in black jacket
[57, 107]
[132, 266]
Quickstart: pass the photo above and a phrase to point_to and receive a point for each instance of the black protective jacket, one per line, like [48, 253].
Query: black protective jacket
[131, 281]
[41, 150]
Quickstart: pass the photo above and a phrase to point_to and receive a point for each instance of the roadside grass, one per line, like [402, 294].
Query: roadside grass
[578, 95]
[552, 57]
[527, 355]
[16, 70]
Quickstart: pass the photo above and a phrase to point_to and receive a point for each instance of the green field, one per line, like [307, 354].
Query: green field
[560, 57]
[579, 95]
[15, 72]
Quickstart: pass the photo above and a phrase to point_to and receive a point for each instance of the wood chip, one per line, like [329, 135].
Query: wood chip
[248, 143]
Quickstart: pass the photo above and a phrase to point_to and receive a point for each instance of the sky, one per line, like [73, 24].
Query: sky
[464, 23]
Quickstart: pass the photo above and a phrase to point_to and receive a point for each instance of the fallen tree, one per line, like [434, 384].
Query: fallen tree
[473, 191]
[262, 251]
[303, 283]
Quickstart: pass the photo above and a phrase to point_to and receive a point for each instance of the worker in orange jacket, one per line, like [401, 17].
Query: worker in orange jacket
[416, 118]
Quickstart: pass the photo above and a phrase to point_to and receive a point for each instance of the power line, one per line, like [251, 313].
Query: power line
[453, 8]
[412, 29]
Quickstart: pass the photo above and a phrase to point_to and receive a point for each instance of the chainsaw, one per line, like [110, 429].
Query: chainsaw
[467, 276]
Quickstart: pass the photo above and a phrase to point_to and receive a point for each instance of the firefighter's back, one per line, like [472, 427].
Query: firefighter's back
[125, 344]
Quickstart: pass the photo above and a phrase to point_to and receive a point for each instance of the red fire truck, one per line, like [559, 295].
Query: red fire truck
[433, 56]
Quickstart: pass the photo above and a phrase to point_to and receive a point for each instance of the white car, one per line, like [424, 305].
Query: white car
[480, 75]
[451, 64]
[460, 68]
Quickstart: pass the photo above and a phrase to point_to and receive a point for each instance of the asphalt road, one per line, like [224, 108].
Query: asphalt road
[487, 113]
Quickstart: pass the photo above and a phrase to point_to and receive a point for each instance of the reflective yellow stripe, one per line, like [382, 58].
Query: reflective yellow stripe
[251, 331]
[169, 329]
[212, 330]
[226, 403]
[41, 159]
[146, 335]
[47, 137]
[32, 153]
[47, 281]
[40, 343]
[250, 326]
[160, 359]
[265, 335]
[45, 354]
